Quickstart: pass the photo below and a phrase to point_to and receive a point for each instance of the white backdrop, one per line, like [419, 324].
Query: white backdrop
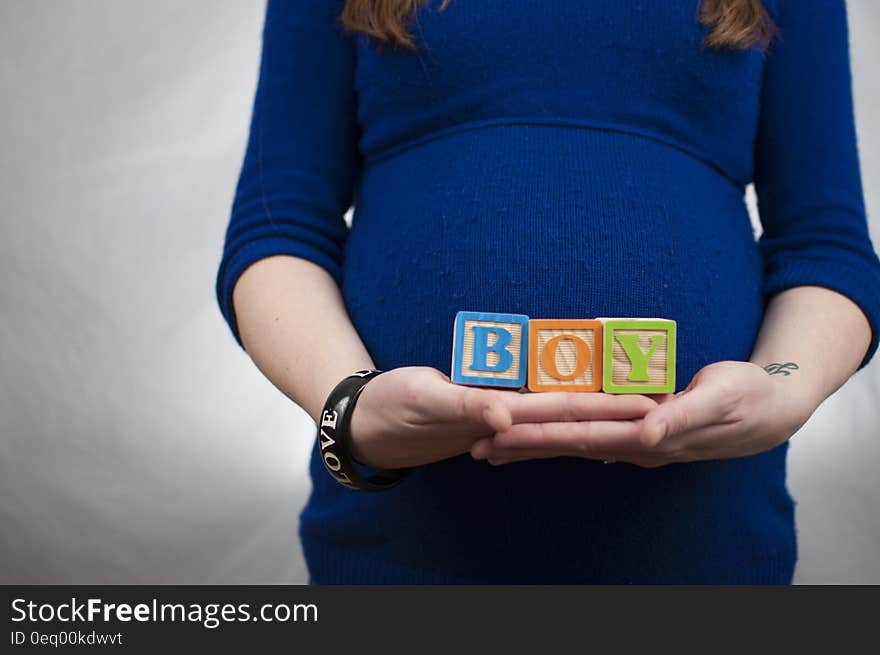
[138, 444]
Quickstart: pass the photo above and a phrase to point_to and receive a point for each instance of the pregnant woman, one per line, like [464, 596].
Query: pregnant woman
[561, 160]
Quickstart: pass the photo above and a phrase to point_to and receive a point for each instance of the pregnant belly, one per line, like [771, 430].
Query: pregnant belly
[551, 222]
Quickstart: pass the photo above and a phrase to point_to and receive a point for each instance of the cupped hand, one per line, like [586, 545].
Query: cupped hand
[730, 409]
[415, 415]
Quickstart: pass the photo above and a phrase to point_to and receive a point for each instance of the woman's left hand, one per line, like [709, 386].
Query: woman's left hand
[730, 409]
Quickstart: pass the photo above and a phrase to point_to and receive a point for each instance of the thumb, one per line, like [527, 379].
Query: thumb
[692, 409]
[480, 406]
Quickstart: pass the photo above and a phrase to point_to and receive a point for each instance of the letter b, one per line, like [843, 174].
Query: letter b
[482, 348]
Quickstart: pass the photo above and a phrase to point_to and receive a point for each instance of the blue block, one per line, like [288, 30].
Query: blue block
[490, 350]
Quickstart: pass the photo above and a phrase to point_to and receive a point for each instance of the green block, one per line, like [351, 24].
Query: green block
[639, 355]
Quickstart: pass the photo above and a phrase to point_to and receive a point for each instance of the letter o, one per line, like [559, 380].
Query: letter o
[582, 362]
[327, 459]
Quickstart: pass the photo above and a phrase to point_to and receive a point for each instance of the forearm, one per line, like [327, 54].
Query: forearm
[294, 325]
[823, 333]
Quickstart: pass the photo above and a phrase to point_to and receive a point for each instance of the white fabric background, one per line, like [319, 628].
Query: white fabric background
[138, 444]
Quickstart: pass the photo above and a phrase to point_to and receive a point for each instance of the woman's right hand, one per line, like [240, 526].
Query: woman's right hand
[415, 415]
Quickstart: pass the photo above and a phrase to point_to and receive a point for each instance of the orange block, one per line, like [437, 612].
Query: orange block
[565, 354]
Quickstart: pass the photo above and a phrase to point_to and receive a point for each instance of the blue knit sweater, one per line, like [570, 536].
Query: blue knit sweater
[557, 159]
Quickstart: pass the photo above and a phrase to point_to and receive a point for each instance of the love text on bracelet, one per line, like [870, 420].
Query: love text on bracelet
[334, 437]
[614, 355]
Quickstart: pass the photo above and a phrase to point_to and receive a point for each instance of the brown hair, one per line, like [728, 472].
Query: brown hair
[737, 24]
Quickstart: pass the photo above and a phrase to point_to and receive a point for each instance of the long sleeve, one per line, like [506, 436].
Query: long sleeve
[301, 162]
[807, 176]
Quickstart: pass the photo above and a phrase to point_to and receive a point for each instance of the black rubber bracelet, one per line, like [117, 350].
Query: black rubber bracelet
[334, 437]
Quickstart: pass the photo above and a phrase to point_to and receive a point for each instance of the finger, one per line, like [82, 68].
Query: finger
[500, 457]
[585, 438]
[644, 458]
[505, 456]
[496, 415]
[661, 398]
[694, 409]
[575, 406]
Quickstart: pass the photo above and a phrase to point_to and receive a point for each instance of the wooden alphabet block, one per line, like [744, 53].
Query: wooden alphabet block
[489, 349]
[639, 355]
[565, 354]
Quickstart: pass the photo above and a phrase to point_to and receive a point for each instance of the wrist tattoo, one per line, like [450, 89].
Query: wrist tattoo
[781, 369]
